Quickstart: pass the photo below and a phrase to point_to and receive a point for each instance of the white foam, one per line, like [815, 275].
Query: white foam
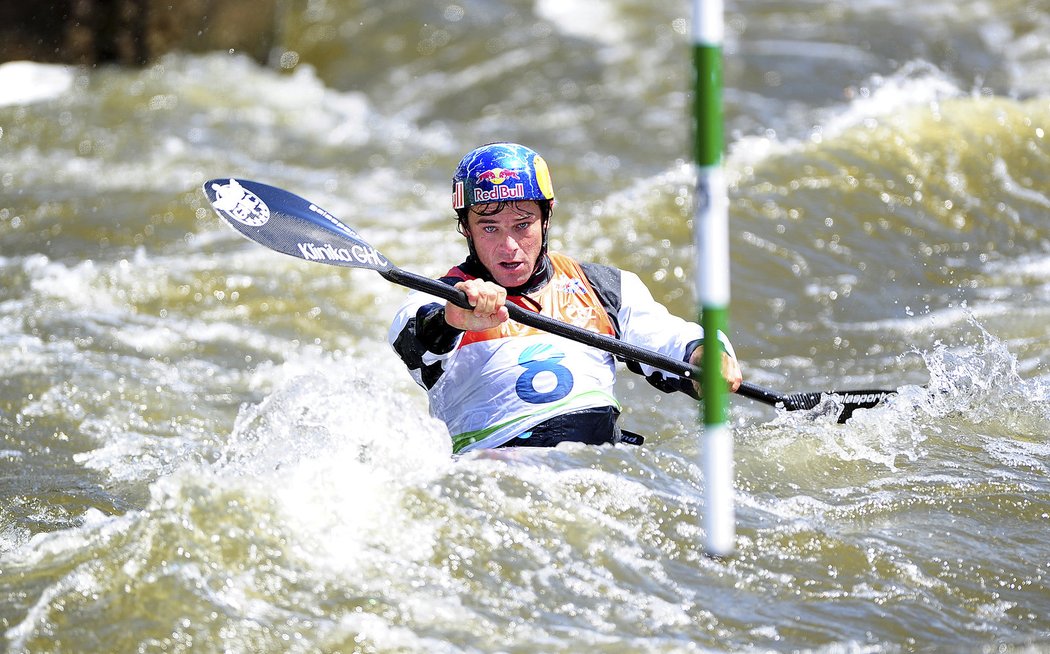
[275, 106]
[915, 84]
[337, 427]
[73, 285]
[95, 530]
[595, 21]
[1001, 172]
[25, 82]
[1017, 454]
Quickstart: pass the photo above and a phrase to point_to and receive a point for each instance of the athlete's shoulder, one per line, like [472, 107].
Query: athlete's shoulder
[607, 281]
[600, 272]
[562, 261]
[456, 274]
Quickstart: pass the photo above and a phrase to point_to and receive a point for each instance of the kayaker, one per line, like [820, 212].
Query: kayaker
[495, 382]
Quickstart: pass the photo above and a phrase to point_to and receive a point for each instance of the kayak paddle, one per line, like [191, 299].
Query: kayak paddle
[292, 225]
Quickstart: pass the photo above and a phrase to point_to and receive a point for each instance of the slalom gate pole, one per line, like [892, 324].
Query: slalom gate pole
[711, 230]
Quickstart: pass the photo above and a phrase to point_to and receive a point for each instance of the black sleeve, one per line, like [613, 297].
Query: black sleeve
[606, 283]
[434, 333]
[427, 332]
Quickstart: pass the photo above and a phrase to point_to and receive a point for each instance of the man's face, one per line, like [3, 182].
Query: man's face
[508, 243]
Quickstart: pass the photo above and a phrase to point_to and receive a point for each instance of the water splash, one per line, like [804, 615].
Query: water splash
[980, 382]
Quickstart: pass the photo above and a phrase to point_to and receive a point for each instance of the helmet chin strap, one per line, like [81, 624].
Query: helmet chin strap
[545, 226]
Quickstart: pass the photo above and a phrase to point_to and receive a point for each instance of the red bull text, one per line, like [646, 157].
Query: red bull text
[499, 193]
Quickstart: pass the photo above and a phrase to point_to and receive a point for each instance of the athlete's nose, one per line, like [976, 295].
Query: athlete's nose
[508, 245]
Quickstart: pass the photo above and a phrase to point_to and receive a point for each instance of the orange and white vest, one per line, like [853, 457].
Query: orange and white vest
[497, 384]
[500, 382]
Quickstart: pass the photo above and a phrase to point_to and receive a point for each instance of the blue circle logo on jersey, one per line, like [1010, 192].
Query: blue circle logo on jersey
[546, 372]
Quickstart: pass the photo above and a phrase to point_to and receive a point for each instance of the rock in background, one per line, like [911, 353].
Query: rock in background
[133, 32]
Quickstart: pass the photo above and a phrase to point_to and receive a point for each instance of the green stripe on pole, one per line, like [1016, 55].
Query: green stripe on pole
[716, 399]
[711, 227]
[707, 60]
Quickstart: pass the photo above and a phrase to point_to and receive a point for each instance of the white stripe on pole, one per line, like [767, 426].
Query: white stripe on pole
[712, 238]
[708, 23]
[719, 515]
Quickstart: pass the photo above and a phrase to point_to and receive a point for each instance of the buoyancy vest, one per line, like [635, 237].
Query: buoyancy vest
[500, 382]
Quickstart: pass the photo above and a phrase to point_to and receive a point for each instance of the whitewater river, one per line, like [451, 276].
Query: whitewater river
[206, 446]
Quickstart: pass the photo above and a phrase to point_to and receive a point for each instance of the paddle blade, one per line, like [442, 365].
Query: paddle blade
[289, 224]
[850, 400]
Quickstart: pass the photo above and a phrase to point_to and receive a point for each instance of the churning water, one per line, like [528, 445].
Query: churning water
[206, 446]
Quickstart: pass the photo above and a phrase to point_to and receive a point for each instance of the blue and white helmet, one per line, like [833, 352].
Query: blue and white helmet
[501, 172]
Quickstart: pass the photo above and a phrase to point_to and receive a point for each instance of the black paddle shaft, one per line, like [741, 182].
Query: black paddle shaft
[851, 400]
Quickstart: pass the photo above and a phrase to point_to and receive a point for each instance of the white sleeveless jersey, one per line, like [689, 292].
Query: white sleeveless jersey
[498, 384]
[497, 389]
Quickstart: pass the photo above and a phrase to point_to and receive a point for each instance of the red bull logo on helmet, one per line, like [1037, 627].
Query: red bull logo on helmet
[499, 191]
[496, 175]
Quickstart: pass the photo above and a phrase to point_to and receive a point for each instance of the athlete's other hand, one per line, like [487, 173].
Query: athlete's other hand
[730, 371]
